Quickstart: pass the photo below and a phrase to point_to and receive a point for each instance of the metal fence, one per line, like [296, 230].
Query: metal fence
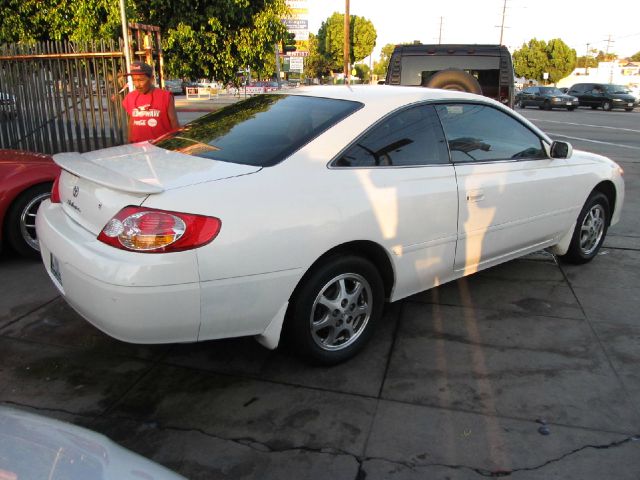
[61, 96]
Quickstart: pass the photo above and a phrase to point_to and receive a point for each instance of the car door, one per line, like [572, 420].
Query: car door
[402, 163]
[528, 96]
[537, 97]
[512, 197]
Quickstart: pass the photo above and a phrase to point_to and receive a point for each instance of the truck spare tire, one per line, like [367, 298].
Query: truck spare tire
[452, 79]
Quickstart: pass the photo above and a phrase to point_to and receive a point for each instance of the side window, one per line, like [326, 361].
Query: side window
[410, 137]
[479, 133]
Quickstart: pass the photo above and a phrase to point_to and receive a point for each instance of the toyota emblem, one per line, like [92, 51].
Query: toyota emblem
[76, 190]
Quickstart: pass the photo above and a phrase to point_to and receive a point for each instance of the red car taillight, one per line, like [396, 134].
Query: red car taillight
[148, 230]
[55, 190]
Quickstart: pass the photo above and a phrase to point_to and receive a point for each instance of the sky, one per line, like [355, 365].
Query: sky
[576, 22]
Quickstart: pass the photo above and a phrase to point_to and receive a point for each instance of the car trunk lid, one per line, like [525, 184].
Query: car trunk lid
[95, 186]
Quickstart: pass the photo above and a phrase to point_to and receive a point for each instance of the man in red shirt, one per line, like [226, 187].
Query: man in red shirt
[152, 111]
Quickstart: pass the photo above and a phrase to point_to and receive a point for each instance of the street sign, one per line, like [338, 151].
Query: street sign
[296, 64]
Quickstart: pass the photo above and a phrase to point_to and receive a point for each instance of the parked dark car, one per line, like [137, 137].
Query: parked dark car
[482, 69]
[603, 95]
[545, 98]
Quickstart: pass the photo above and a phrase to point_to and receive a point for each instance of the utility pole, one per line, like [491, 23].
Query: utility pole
[277, 50]
[586, 60]
[127, 48]
[440, 34]
[606, 58]
[346, 42]
[504, 9]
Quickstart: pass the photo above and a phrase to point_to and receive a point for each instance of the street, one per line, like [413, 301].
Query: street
[527, 370]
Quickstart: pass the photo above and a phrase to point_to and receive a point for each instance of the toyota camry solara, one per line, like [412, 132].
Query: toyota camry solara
[298, 216]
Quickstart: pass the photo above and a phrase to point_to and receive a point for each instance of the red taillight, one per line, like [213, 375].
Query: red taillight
[55, 190]
[148, 230]
[504, 94]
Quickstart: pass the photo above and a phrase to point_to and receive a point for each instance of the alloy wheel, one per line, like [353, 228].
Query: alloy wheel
[28, 221]
[592, 229]
[341, 311]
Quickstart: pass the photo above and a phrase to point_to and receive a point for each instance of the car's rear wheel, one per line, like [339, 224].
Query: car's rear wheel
[628, 109]
[593, 107]
[571, 109]
[20, 226]
[606, 105]
[520, 104]
[590, 231]
[333, 311]
[546, 105]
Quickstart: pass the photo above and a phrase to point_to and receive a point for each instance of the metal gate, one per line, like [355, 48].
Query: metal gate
[59, 96]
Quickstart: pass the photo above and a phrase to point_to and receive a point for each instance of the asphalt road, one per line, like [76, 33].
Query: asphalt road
[528, 371]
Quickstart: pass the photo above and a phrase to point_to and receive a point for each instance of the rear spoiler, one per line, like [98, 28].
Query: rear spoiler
[78, 165]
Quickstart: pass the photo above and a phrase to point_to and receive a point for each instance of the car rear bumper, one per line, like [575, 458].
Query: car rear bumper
[155, 298]
[138, 298]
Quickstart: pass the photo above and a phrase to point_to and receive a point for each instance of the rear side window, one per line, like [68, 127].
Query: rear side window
[416, 70]
[479, 133]
[407, 138]
[260, 131]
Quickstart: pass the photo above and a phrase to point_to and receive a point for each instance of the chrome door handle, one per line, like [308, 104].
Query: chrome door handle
[475, 195]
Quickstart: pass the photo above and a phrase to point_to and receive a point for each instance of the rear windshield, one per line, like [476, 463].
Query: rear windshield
[261, 131]
[415, 68]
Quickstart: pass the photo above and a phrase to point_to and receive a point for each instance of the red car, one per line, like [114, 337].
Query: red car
[25, 181]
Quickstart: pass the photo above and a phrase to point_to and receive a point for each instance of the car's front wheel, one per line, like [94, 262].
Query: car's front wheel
[571, 109]
[332, 313]
[20, 226]
[590, 231]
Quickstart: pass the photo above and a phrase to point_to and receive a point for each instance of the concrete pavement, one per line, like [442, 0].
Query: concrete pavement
[526, 371]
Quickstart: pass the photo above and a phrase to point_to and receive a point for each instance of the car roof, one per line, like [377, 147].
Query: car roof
[390, 96]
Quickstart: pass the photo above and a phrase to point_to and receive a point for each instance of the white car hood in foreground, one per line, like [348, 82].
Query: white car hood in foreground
[145, 168]
[33, 446]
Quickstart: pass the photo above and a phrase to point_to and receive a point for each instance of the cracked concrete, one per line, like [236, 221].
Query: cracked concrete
[525, 371]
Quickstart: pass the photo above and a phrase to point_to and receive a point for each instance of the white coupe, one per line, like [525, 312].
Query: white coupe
[298, 215]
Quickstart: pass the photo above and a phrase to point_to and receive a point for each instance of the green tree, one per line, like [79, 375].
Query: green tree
[78, 20]
[530, 60]
[635, 57]
[586, 61]
[219, 38]
[216, 39]
[315, 65]
[362, 39]
[535, 58]
[605, 57]
[380, 67]
[363, 72]
[561, 60]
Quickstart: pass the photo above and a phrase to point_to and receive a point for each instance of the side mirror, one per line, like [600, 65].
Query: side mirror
[561, 150]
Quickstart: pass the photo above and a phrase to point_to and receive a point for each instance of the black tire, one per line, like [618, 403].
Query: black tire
[520, 104]
[590, 231]
[19, 226]
[628, 109]
[593, 107]
[348, 324]
[546, 105]
[606, 106]
[457, 80]
[571, 109]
